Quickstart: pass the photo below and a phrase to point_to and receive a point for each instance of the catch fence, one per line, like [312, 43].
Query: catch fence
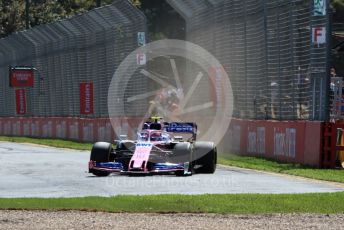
[275, 53]
[70, 63]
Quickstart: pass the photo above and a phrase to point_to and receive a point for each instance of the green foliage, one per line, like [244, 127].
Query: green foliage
[227, 203]
[163, 22]
[136, 3]
[40, 12]
[158, 12]
[49, 142]
[12, 16]
[48, 11]
[335, 175]
[337, 3]
[338, 11]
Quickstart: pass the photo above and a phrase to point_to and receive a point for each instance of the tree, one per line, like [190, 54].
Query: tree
[337, 3]
[338, 8]
[158, 13]
[163, 21]
[41, 11]
[12, 20]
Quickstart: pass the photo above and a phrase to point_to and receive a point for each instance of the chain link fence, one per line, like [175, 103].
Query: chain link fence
[86, 48]
[269, 49]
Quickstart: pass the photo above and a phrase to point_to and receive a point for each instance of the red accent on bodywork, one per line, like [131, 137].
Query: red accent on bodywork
[91, 164]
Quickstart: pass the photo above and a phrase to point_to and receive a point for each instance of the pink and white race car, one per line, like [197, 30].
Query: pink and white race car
[157, 150]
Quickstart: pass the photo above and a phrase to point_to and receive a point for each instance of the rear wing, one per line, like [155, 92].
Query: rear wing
[181, 127]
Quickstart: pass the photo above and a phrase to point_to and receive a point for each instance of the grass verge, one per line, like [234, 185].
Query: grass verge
[335, 175]
[49, 142]
[229, 203]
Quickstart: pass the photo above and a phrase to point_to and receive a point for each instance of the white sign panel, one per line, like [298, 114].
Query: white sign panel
[319, 7]
[318, 36]
[285, 143]
[235, 138]
[279, 144]
[291, 142]
[141, 59]
[141, 38]
[261, 140]
[252, 142]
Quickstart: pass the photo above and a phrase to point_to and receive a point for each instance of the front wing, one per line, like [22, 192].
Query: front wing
[157, 168]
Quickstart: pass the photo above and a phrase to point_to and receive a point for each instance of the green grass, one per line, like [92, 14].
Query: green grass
[49, 142]
[229, 203]
[336, 175]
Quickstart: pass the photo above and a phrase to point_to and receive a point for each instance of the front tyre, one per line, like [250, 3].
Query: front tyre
[182, 153]
[101, 152]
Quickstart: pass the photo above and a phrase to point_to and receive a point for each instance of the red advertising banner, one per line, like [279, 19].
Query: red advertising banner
[86, 98]
[21, 78]
[20, 101]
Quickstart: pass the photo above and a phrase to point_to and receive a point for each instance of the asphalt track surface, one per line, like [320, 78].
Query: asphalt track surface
[36, 171]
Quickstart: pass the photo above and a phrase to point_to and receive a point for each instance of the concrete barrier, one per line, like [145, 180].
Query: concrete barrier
[285, 141]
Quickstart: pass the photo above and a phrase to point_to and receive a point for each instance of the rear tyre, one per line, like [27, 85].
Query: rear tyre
[181, 153]
[101, 152]
[205, 154]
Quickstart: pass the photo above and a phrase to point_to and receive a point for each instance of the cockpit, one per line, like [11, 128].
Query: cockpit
[153, 136]
[143, 136]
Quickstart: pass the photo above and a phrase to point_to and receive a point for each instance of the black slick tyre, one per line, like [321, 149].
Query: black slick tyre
[101, 152]
[205, 155]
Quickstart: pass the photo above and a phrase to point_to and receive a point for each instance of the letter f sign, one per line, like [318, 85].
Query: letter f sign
[318, 36]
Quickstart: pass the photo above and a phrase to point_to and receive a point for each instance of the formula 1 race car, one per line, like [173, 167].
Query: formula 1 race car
[156, 151]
